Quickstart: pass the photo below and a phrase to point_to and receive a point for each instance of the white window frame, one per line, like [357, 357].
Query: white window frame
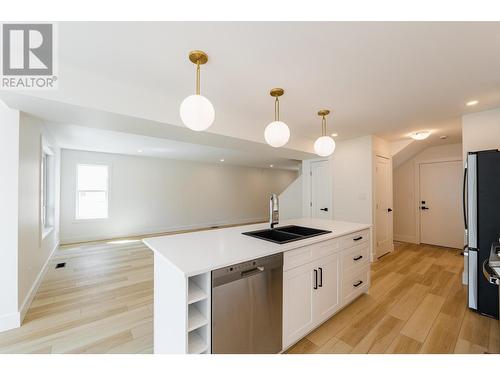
[46, 187]
[77, 191]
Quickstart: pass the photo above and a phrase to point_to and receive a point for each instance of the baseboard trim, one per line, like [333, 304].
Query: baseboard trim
[153, 231]
[10, 321]
[34, 288]
[405, 238]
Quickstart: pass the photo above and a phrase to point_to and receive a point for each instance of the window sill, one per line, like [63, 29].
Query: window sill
[76, 221]
[46, 231]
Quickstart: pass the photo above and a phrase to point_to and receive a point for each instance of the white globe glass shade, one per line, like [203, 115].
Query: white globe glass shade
[324, 146]
[197, 113]
[277, 134]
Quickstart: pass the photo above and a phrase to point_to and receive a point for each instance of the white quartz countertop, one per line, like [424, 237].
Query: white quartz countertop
[204, 251]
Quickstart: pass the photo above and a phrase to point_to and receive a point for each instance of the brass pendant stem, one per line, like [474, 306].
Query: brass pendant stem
[276, 110]
[198, 78]
[323, 126]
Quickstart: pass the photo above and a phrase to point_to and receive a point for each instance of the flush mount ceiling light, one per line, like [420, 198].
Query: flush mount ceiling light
[196, 111]
[418, 136]
[471, 103]
[277, 133]
[324, 145]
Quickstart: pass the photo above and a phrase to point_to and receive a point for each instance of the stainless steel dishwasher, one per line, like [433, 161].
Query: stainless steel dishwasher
[247, 304]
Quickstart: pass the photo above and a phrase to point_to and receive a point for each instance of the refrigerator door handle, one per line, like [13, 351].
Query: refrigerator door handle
[464, 199]
[472, 278]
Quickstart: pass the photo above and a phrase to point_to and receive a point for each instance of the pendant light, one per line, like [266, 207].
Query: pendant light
[196, 111]
[324, 145]
[277, 133]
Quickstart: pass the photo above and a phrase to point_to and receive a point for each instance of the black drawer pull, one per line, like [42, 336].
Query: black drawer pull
[358, 258]
[315, 279]
[357, 284]
[320, 277]
[358, 238]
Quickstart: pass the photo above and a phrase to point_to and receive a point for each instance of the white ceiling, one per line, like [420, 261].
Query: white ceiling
[377, 78]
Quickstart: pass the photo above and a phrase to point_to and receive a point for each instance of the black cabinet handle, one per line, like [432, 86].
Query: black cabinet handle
[320, 277]
[358, 238]
[357, 284]
[424, 208]
[315, 279]
[389, 210]
[357, 258]
[324, 209]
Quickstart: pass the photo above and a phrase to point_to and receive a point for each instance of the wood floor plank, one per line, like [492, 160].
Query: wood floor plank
[404, 345]
[420, 323]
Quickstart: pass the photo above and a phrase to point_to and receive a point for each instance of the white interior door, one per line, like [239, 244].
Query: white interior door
[383, 206]
[320, 190]
[441, 204]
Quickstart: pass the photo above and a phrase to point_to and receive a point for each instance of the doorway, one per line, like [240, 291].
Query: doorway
[383, 206]
[440, 204]
[320, 190]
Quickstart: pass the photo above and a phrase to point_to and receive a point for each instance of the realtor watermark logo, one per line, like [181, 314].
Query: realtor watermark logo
[28, 56]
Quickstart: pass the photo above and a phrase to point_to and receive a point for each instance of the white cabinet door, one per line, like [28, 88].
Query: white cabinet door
[298, 318]
[327, 297]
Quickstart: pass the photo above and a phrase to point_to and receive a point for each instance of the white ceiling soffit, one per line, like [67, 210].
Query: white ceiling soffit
[99, 140]
[246, 152]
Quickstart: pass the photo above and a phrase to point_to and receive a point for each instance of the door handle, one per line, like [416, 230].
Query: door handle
[324, 209]
[424, 208]
[320, 277]
[357, 284]
[389, 210]
[315, 279]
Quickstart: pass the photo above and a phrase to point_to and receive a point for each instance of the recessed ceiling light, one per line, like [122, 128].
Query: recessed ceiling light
[418, 136]
[471, 103]
[139, 151]
[271, 166]
[221, 160]
[334, 135]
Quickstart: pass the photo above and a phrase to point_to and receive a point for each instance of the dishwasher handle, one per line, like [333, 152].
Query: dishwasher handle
[252, 271]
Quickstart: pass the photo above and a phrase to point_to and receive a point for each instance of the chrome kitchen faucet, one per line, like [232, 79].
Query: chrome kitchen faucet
[274, 207]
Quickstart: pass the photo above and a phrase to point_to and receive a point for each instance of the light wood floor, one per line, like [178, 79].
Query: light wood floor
[417, 304]
[101, 302]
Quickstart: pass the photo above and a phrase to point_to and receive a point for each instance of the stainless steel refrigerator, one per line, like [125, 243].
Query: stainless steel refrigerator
[482, 220]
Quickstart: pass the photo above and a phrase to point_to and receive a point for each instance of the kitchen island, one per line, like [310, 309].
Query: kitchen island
[182, 278]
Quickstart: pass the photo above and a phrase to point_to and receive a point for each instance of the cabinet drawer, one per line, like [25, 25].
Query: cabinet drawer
[355, 284]
[355, 257]
[355, 238]
[306, 254]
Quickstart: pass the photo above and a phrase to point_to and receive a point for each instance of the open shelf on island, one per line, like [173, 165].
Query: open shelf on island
[195, 293]
[195, 318]
[196, 344]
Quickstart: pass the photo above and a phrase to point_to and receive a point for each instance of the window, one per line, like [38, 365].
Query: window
[92, 191]
[47, 187]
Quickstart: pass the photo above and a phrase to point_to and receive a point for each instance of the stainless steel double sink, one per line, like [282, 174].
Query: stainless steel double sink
[289, 233]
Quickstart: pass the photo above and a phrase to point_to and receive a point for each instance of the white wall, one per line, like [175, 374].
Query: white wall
[405, 188]
[352, 164]
[34, 252]
[481, 131]
[150, 195]
[291, 200]
[9, 160]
